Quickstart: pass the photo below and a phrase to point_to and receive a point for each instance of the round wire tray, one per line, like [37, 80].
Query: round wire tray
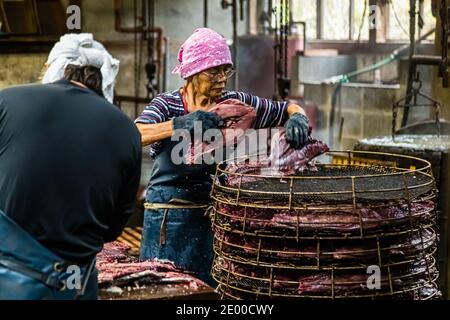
[315, 234]
[425, 292]
[408, 178]
[317, 254]
[394, 281]
[333, 221]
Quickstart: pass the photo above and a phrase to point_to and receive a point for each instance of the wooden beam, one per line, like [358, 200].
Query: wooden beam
[383, 26]
[253, 17]
[372, 31]
[379, 34]
[353, 47]
[26, 45]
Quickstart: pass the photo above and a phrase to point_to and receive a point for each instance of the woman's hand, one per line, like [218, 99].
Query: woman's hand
[297, 127]
[208, 120]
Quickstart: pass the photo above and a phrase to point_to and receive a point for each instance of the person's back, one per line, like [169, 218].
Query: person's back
[69, 166]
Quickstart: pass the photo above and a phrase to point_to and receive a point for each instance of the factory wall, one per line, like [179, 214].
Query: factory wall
[366, 110]
[177, 18]
[20, 68]
[364, 106]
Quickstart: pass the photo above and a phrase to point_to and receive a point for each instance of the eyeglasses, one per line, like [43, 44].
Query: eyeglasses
[218, 75]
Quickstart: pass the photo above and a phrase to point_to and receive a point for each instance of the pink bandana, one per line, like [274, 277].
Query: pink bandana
[204, 49]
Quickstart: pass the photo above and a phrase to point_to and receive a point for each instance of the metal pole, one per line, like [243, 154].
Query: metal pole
[285, 40]
[276, 54]
[411, 69]
[351, 19]
[269, 10]
[205, 13]
[234, 48]
[421, 14]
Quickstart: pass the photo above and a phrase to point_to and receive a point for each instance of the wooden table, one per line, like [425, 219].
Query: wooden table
[177, 291]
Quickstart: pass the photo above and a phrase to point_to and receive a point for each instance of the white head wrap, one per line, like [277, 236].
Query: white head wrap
[82, 50]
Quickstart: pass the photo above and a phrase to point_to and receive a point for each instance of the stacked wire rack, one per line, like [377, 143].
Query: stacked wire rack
[348, 230]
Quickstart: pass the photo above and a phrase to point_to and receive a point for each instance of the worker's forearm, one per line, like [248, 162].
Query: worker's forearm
[294, 108]
[151, 133]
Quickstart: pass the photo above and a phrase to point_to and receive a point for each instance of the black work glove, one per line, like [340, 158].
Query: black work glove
[209, 120]
[297, 130]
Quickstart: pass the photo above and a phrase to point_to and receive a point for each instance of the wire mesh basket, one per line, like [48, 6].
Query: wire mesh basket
[410, 178]
[318, 254]
[395, 281]
[315, 234]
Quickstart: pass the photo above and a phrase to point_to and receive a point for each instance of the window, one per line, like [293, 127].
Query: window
[338, 19]
[398, 28]
[335, 22]
[306, 10]
[360, 29]
[349, 19]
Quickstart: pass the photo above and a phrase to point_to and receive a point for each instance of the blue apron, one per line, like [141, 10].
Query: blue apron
[29, 271]
[182, 235]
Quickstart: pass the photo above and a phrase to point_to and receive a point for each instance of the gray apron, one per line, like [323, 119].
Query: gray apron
[175, 224]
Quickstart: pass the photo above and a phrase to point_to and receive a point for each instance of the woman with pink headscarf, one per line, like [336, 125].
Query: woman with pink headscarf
[175, 226]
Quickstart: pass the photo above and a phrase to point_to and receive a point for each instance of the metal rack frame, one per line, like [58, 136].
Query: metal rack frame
[235, 214]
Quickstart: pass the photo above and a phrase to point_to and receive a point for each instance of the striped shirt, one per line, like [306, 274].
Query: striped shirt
[169, 105]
